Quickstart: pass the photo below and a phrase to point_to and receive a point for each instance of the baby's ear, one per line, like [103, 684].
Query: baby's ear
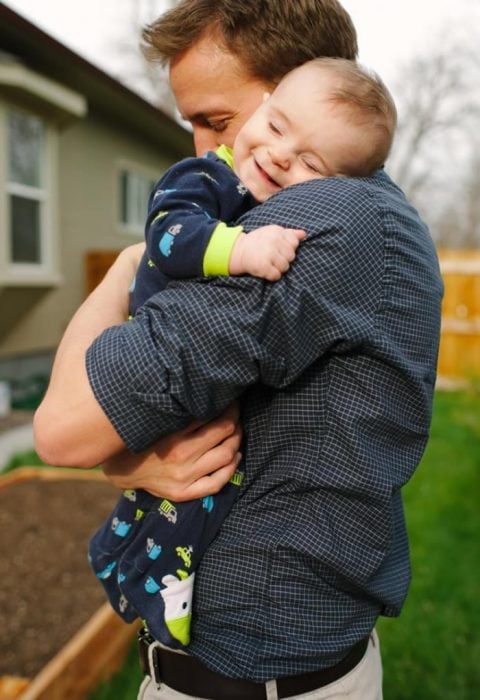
[266, 95]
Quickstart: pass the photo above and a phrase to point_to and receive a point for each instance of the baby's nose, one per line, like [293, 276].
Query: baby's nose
[280, 156]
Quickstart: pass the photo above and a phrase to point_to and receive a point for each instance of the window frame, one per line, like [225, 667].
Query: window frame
[125, 167]
[46, 269]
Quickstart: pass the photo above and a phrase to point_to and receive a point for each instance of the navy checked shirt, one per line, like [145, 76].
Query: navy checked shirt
[336, 366]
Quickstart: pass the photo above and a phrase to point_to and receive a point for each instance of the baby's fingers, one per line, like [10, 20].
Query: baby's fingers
[296, 234]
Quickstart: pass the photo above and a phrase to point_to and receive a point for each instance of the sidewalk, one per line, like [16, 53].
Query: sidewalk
[16, 435]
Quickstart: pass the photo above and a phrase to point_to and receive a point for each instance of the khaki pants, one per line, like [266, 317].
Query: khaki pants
[364, 682]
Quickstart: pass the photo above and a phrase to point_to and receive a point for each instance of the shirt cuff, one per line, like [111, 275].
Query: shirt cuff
[117, 374]
[219, 249]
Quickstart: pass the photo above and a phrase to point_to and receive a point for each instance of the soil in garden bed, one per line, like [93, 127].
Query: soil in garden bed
[47, 589]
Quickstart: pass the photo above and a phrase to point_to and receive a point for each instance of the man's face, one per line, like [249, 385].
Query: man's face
[214, 93]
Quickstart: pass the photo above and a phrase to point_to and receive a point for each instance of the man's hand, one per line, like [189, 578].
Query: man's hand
[190, 464]
[265, 252]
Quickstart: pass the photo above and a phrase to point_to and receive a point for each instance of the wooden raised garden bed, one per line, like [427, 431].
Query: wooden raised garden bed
[58, 637]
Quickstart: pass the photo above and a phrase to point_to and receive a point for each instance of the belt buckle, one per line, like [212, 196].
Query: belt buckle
[149, 659]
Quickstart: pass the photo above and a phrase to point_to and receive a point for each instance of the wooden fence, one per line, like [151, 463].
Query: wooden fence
[459, 357]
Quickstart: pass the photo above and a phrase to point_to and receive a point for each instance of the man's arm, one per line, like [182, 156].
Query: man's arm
[71, 429]
[198, 345]
[69, 394]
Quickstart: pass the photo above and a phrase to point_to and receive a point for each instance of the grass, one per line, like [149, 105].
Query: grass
[29, 458]
[431, 651]
[123, 685]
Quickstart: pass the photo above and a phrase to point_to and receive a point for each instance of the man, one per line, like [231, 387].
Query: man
[335, 367]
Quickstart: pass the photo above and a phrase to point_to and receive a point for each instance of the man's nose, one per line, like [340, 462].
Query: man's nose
[205, 140]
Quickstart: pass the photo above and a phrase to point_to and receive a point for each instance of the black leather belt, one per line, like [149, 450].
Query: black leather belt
[188, 675]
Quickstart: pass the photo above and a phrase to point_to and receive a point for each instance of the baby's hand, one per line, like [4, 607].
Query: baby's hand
[265, 252]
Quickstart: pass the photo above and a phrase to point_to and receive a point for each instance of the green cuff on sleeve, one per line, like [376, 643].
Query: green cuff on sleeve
[219, 249]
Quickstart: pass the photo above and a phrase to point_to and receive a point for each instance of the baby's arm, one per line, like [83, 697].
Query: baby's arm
[184, 232]
[265, 252]
[186, 236]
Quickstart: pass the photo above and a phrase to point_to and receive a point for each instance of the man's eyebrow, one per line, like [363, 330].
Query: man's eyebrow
[197, 117]
[205, 117]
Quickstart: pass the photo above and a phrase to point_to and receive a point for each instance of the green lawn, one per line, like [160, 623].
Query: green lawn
[29, 458]
[431, 651]
[125, 684]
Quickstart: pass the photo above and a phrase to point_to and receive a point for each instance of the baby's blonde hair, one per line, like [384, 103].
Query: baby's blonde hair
[367, 104]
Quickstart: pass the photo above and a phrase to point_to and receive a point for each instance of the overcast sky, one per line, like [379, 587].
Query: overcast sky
[389, 32]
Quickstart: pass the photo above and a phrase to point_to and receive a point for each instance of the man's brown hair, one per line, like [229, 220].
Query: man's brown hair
[270, 37]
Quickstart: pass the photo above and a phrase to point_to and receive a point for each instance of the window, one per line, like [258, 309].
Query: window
[134, 191]
[29, 163]
[25, 188]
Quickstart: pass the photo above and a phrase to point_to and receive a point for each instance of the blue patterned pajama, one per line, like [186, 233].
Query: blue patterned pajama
[146, 553]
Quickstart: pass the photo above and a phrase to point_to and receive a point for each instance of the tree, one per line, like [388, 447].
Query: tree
[432, 158]
[147, 78]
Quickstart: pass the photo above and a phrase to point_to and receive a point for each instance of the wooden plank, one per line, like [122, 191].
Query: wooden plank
[92, 655]
[49, 474]
[12, 687]
[459, 354]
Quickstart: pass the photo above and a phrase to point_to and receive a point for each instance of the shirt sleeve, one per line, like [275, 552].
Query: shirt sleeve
[198, 345]
[184, 213]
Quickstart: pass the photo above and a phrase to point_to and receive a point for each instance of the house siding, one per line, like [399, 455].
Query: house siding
[96, 126]
[90, 154]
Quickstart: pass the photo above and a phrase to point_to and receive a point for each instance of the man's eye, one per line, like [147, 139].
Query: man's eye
[218, 127]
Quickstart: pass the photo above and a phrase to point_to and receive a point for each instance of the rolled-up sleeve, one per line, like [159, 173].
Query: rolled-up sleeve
[199, 344]
[196, 346]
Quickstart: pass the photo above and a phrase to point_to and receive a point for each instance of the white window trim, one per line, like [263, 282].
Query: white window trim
[131, 229]
[46, 272]
[56, 104]
[56, 98]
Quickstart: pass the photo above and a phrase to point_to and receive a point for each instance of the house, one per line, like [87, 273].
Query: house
[79, 153]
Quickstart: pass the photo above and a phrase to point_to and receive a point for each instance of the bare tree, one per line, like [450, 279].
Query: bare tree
[435, 104]
[432, 159]
[460, 225]
[147, 78]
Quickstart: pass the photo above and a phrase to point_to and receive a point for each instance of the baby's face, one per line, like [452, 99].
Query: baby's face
[294, 136]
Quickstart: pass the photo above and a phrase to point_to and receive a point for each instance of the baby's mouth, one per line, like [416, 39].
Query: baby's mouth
[266, 176]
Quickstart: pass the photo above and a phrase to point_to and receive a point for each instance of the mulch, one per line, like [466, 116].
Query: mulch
[47, 589]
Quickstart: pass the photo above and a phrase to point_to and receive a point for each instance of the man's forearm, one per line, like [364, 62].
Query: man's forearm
[69, 403]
